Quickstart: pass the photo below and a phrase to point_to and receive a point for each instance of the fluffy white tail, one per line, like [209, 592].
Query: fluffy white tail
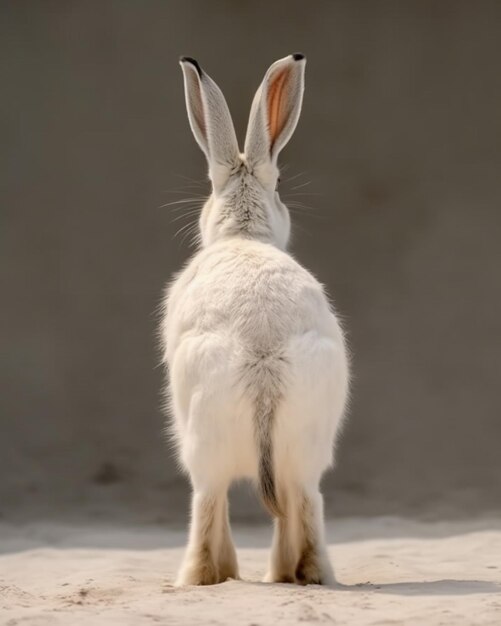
[263, 377]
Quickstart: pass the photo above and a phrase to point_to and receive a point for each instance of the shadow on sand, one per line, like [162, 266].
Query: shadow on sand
[446, 587]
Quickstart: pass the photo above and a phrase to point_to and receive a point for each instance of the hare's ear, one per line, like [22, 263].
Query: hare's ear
[209, 116]
[275, 109]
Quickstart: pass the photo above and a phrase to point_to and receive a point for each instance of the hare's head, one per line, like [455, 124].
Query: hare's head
[244, 200]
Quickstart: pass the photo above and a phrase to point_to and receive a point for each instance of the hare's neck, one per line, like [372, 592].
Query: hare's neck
[244, 214]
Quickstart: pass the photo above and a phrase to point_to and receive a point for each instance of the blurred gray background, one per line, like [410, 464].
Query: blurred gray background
[397, 161]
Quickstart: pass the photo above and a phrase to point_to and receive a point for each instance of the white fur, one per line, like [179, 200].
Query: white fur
[240, 296]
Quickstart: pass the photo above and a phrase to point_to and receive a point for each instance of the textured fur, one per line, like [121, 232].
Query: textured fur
[257, 361]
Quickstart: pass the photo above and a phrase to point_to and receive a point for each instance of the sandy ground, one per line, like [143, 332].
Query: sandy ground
[390, 571]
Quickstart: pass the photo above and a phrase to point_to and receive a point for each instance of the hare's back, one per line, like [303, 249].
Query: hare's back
[256, 292]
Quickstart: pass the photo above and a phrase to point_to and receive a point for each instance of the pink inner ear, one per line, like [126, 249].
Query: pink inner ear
[275, 98]
[197, 106]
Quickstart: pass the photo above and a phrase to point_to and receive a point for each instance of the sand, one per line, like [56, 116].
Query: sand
[390, 571]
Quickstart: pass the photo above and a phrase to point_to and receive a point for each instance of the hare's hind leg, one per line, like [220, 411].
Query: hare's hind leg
[285, 547]
[228, 566]
[210, 556]
[313, 566]
[299, 553]
[306, 424]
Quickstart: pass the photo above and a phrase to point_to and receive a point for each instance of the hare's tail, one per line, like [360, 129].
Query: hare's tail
[264, 375]
[266, 472]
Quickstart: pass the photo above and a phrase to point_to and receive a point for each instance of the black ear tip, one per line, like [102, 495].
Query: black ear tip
[193, 62]
[298, 56]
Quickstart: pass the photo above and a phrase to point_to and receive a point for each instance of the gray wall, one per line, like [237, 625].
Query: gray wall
[401, 140]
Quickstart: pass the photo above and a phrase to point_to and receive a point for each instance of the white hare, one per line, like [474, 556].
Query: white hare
[256, 358]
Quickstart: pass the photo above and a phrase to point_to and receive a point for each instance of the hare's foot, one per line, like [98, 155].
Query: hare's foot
[313, 567]
[299, 554]
[199, 568]
[283, 552]
[210, 555]
[274, 577]
[228, 565]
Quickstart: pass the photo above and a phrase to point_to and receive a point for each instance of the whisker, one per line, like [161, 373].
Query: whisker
[302, 204]
[191, 187]
[190, 232]
[186, 210]
[303, 193]
[183, 229]
[298, 208]
[308, 182]
[318, 218]
[301, 207]
[190, 214]
[289, 178]
[188, 178]
[183, 201]
[196, 240]
[183, 190]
